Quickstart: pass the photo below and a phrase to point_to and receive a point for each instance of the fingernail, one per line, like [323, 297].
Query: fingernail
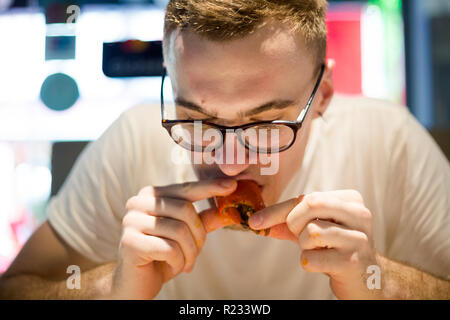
[256, 221]
[226, 183]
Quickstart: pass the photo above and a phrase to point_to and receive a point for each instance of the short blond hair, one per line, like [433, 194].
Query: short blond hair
[222, 20]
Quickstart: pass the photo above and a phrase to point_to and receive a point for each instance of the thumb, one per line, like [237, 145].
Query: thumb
[213, 220]
[282, 232]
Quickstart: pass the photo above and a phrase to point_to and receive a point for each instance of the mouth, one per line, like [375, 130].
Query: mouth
[242, 176]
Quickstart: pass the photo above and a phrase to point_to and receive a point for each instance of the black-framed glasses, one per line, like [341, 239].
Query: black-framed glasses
[261, 136]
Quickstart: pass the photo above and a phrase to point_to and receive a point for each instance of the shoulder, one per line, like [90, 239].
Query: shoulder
[143, 116]
[143, 123]
[368, 119]
[158, 158]
[369, 109]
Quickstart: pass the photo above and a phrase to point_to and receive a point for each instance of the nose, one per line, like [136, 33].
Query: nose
[234, 156]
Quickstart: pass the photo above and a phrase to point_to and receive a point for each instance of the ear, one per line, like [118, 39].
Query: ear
[326, 90]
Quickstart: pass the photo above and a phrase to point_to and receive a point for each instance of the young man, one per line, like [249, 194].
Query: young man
[374, 222]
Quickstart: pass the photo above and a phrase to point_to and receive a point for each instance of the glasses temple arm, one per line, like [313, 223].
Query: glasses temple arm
[302, 115]
[162, 92]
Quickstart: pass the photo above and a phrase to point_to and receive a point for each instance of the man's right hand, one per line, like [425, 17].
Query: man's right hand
[162, 235]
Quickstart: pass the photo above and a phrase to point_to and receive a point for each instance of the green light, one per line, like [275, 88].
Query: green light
[391, 11]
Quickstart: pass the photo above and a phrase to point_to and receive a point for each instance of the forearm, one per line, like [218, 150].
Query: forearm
[95, 284]
[404, 282]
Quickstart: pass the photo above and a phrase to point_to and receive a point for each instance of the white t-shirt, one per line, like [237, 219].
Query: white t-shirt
[369, 145]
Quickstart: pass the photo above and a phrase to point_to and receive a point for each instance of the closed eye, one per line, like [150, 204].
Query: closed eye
[258, 120]
[200, 119]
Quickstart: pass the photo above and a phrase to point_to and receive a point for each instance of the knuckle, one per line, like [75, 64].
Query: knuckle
[172, 250]
[365, 213]
[315, 200]
[312, 228]
[128, 238]
[355, 195]
[363, 240]
[131, 203]
[127, 220]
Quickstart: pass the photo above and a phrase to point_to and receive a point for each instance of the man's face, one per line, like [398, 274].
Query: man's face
[227, 82]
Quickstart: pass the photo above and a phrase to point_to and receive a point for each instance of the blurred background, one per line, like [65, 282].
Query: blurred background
[68, 68]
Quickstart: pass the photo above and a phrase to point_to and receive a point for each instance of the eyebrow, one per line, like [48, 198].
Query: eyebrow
[275, 104]
[194, 107]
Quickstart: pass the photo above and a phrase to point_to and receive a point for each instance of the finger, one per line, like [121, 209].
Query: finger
[156, 249]
[278, 213]
[324, 234]
[323, 206]
[282, 232]
[329, 261]
[193, 191]
[213, 220]
[171, 208]
[273, 215]
[169, 229]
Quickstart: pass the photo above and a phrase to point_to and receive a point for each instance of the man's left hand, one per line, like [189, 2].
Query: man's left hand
[334, 231]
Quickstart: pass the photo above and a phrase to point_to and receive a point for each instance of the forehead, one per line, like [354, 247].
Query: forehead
[271, 63]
